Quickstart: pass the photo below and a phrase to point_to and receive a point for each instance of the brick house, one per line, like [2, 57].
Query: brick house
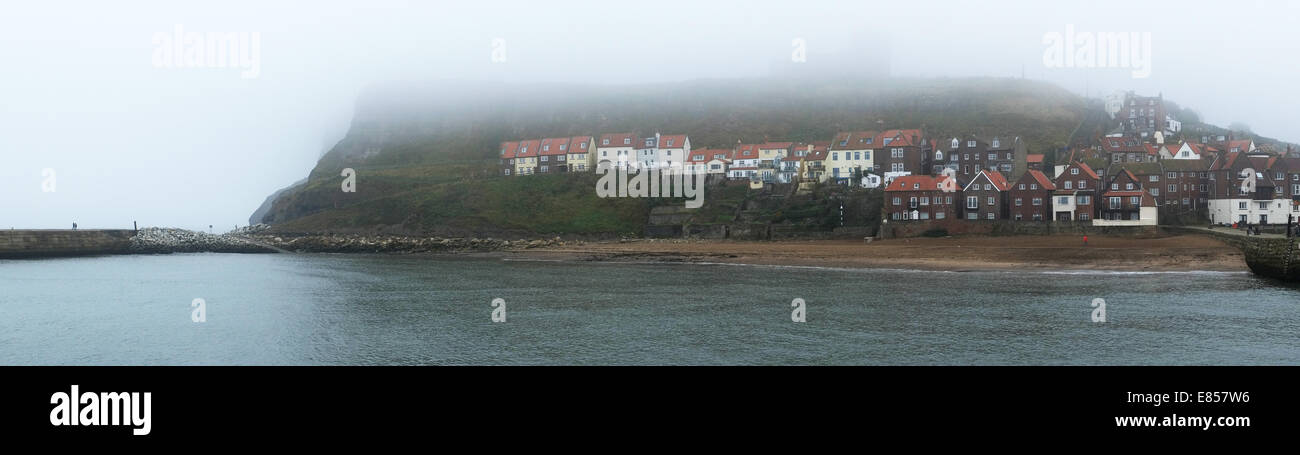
[1031, 197]
[985, 197]
[1125, 200]
[552, 158]
[1075, 198]
[903, 151]
[921, 198]
[508, 150]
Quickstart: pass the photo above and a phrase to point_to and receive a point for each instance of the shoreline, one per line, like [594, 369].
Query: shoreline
[1049, 253]
[1180, 253]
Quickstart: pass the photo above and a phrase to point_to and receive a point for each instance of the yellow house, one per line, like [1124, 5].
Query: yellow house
[582, 154]
[526, 157]
[850, 151]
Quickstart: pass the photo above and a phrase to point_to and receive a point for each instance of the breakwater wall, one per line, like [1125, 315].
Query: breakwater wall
[1273, 256]
[24, 244]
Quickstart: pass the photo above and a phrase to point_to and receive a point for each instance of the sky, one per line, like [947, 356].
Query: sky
[103, 123]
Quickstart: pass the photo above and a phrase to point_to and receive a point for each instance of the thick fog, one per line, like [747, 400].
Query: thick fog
[103, 122]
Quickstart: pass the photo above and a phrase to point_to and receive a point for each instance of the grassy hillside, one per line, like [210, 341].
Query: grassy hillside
[426, 157]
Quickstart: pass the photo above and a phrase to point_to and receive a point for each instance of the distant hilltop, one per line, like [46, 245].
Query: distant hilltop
[427, 157]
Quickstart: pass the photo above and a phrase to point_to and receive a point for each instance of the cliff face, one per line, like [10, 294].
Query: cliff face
[426, 157]
[265, 208]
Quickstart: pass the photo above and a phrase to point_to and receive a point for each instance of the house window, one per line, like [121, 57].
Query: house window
[1018, 217]
[544, 158]
[939, 216]
[972, 202]
[989, 215]
[993, 156]
[1069, 185]
[988, 187]
[1241, 206]
[898, 201]
[1085, 200]
[1135, 200]
[544, 168]
[1114, 202]
[972, 216]
[1063, 200]
[1083, 184]
[1033, 186]
[1114, 186]
[1038, 217]
[1022, 187]
[1074, 171]
[1263, 206]
[835, 156]
[1085, 216]
[1128, 186]
[925, 201]
[970, 143]
[991, 200]
[1019, 202]
[1038, 201]
[1155, 191]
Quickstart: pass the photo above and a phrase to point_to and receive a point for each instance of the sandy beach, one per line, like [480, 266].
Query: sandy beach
[1171, 253]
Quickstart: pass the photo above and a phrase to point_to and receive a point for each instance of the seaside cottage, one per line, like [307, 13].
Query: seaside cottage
[710, 161]
[672, 149]
[921, 198]
[508, 150]
[744, 162]
[617, 149]
[526, 157]
[1185, 187]
[850, 155]
[553, 156]
[581, 157]
[985, 197]
[1031, 197]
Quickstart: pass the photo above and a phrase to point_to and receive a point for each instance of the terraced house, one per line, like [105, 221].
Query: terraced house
[581, 156]
[744, 162]
[904, 151]
[617, 149]
[508, 150]
[553, 156]
[526, 157]
[1125, 203]
[1076, 193]
[969, 155]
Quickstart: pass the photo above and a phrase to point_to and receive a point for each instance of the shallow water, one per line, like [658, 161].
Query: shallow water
[363, 309]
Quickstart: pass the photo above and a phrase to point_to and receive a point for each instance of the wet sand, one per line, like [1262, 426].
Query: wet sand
[1170, 253]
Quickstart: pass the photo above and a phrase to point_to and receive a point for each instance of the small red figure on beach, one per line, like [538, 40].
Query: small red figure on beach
[1085, 240]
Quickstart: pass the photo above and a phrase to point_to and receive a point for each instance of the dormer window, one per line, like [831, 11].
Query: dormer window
[546, 148]
[955, 143]
[562, 146]
[604, 141]
[996, 143]
[916, 186]
[627, 141]
[670, 143]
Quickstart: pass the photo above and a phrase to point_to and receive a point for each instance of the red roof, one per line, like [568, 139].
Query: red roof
[859, 140]
[1242, 145]
[616, 140]
[1123, 145]
[1036, 158]
[776, 145]
[508, 149]
[921, 183]
[529, 148]
[1042, 180]
[745, 152]
[705, 155]
[672, 141]
[1087, 170]
[900, 138]
[581, 144]
[555, 146]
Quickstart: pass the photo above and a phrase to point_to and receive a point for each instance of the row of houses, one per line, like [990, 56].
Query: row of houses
[865, 157]
[1121, 181]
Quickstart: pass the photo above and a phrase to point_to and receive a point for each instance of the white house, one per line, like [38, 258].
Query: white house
[616, 149]
[744, 162]
[1183, 151]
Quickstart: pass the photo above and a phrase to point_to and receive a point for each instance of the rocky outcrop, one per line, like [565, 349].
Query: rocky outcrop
[165, 240]
[355, 243]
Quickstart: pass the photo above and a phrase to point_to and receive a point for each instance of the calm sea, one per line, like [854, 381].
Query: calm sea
[385, 310]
